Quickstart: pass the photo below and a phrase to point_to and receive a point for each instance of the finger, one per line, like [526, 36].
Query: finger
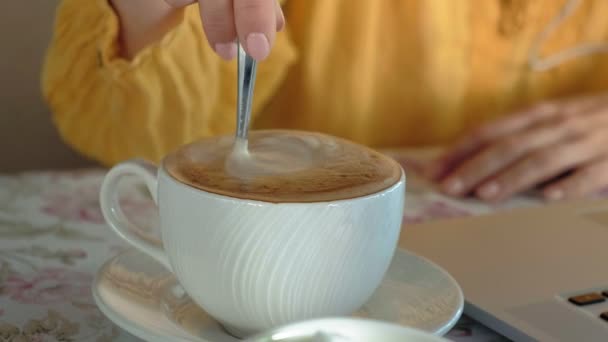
[279, 16]
[256, 26]
[583, 105]
[218, 23]
[492, 159]
[180, 3]
[586, 181]
[491, 132]
[540, 166]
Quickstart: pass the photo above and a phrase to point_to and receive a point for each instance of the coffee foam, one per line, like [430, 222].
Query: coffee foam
[283, 166]
[273, 155]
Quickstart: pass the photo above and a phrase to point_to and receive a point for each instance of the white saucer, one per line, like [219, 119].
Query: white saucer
[140, 296]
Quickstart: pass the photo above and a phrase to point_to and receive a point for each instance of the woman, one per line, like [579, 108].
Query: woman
[131, 78]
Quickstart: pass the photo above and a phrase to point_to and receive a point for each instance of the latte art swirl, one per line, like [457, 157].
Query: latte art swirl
[283, 166]
[278, 154]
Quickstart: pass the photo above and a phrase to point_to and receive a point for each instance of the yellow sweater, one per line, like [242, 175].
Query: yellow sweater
[380, 72]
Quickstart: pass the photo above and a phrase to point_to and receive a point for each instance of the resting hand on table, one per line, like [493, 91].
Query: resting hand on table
[567, 138]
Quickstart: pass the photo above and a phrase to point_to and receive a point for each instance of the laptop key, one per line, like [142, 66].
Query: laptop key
[587, 299]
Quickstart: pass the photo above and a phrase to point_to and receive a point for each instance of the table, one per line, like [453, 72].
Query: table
[53, 239]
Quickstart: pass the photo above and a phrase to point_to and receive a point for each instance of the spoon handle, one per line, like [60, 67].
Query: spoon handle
[246, 81]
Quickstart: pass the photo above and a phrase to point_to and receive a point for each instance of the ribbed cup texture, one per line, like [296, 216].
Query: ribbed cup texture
[254, 265]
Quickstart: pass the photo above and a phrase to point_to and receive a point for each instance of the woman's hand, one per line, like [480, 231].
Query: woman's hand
[253, 22]
[559, 138]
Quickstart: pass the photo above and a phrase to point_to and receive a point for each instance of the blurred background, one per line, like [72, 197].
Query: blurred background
[27, 135]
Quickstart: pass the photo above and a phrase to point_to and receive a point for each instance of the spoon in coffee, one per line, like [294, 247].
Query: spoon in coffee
[246, 68]
[246, 81]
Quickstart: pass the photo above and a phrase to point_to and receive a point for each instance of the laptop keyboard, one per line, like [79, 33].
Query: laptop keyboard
[590, 299]
[587, 299]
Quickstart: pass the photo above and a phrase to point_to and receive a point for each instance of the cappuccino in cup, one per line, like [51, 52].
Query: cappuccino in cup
[291, 226]
[283, 166]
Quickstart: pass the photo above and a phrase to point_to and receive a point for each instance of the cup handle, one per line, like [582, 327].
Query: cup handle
[115, 217]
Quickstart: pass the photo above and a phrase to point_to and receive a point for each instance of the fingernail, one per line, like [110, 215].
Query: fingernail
[258, 46]
[453, 186]
[226, 50]
[489, 190]
[554, 194]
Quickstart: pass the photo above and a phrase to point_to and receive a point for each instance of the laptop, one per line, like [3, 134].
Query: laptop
[537, 274]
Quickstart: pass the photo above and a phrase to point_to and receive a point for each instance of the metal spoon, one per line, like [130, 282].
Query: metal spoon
[246, 81]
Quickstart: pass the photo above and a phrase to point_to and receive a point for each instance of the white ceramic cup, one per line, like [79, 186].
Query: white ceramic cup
[256, 265]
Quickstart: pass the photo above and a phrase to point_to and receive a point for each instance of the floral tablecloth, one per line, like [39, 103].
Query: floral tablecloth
[53, 239]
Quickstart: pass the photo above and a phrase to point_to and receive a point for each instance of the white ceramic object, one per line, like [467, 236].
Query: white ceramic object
[256, 265]
[345, 330]
[142, 297]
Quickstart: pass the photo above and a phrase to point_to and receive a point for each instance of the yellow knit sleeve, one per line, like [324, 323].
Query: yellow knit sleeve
[174, 91]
